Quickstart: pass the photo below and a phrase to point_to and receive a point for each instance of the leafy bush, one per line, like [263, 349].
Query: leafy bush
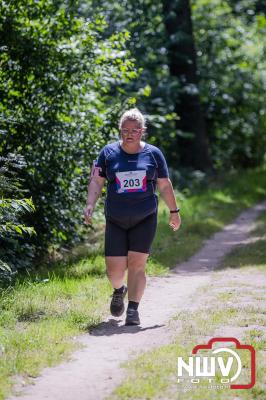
[12, 211]
[59, 76]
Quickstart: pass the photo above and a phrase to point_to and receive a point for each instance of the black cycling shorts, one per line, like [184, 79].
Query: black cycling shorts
[129, 235]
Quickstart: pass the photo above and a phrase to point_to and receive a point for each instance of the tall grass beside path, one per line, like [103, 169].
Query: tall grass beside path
[204, 214]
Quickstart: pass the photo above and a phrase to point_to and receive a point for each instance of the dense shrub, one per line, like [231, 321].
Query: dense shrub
[15, 252]
[59, 77]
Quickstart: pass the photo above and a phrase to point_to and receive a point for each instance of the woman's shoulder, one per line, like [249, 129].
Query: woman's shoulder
[153, 149]
[110, 147]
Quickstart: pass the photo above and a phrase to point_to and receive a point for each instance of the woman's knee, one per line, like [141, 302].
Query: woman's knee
[116, 267]
[115, 272]
[136, 261]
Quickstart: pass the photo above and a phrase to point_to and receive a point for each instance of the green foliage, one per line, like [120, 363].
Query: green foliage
[59, 78]
[231, 61]
[68, 69]
[154, 90]
[12, 211]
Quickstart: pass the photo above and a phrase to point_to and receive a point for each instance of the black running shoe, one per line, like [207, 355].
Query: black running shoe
[117, 306]
[132, 317]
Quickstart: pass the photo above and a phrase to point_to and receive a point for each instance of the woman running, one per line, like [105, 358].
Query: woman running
[133, 169]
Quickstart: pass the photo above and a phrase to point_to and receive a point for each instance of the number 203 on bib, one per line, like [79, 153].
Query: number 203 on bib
[131, 181]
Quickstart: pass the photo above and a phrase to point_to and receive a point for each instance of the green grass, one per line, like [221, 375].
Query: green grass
[253, 253]
[204, 214]
[42, 312]
[153, 375]
[40, 316]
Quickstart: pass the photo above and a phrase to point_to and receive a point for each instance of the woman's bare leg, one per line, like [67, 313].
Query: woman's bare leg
[136, 278]
[116, 268]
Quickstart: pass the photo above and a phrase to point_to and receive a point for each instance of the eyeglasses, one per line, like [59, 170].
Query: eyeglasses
[134, 131]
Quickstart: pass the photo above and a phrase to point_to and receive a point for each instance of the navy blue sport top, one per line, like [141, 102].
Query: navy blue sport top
[131, 180]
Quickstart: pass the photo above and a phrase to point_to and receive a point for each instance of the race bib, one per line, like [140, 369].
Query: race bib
[131, 181]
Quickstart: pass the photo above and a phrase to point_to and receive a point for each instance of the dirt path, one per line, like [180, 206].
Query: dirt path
[94, 371]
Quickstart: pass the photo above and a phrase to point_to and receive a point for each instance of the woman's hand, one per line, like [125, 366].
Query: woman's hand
[88, 214]
[175, 221]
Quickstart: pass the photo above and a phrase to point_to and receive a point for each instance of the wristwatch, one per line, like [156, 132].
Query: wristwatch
[175, 211]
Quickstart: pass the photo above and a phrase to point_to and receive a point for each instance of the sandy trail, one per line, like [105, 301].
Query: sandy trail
[94, 372]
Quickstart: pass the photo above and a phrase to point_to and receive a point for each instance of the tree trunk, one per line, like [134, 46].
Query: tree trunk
[192, 138]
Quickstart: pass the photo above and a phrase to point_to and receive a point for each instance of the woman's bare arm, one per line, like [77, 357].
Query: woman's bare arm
[94, 191]
[166, 190]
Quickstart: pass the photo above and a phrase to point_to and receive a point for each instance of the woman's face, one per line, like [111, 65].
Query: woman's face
[131, 132]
